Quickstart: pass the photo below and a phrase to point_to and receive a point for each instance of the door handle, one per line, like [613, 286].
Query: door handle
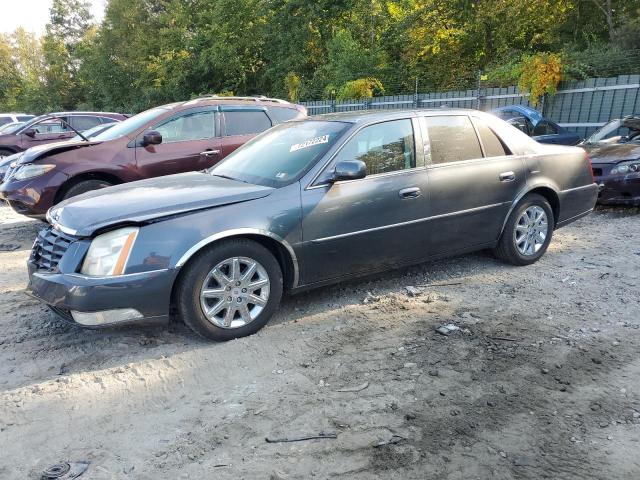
[411, 192]
[210, 153]
[507, 177]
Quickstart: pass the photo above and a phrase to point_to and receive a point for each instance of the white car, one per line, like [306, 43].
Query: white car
[14, 117]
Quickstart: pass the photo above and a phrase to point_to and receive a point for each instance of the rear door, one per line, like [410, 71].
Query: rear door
[379, 221]
[240, 124]
[189, 142]
[473, 179]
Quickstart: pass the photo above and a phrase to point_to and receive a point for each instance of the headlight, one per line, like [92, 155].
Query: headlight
[626, 167]
[109, 253]
[29, 171]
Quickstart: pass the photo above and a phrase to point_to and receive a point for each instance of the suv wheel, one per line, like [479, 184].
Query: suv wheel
[84, 187]
[528, 231]
[230, 290]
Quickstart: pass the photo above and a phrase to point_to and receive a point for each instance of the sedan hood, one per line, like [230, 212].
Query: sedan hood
[148, 200]
[612, 152]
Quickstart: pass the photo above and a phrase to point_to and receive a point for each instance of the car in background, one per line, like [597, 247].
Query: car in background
[307, 203]
[5, 162]
[6, 118]
[52, 127]
[615, 157]
[541, 129]
[11, 127]
[174, 138]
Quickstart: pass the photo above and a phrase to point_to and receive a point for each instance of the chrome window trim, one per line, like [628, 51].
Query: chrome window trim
[243, 231]
[311, 186]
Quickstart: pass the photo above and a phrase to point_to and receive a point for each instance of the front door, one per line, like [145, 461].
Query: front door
[379, 221]
[474, 179]
[189, 143]
[47, 131]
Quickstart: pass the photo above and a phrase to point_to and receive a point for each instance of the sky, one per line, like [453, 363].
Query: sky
[34, 14]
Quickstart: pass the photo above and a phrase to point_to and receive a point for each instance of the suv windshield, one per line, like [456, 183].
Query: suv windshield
[281, 155]
[130, 125]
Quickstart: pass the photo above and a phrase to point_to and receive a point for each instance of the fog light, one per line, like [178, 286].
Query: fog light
[105, 317]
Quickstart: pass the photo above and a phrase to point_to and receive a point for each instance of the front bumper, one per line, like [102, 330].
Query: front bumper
[105, 301]
[32, 197]
[619, 189]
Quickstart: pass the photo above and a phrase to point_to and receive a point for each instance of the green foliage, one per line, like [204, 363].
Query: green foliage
[149, 52]
[360, 88]
[292, 83]
[541, 75]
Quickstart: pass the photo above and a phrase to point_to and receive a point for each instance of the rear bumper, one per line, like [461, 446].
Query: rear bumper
[105, 301]
[576, 203]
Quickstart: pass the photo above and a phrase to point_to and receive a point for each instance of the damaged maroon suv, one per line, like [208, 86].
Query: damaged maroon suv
[174, 138]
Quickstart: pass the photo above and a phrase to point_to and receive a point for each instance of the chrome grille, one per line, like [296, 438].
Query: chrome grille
[48, 249]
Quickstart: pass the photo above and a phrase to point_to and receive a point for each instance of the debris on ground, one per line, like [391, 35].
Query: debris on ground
[447, 329]
[413, 291]
[64, 471]
[321, 435]
[357, 388]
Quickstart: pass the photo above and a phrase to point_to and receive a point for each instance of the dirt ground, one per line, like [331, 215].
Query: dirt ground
[541, 380]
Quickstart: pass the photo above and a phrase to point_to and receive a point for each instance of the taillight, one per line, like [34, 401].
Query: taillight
[588, 159]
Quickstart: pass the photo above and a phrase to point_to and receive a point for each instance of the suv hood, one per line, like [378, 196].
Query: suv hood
[47, 149]
[146, 200]
[612, 152]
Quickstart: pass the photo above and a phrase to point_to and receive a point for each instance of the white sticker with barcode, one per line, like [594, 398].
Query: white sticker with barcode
[309, 143]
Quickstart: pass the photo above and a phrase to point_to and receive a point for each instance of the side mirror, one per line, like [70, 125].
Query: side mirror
[350, 170]
[152, 137]
[30, 132]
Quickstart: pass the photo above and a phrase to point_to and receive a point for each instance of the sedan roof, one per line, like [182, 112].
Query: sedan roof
[377, 115]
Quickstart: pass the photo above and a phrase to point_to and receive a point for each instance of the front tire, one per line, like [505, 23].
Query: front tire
[230, 290]
[528, 231]
[84, 187]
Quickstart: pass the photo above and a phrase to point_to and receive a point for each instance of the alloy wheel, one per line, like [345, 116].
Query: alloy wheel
[235, 292]
[531, 230]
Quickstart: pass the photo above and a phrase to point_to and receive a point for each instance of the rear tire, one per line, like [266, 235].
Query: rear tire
[524, 239]
[84, 187]
[242, 308]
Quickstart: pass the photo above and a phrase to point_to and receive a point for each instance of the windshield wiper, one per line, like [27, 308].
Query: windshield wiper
[228, 177]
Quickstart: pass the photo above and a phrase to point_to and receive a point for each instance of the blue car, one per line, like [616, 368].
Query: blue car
[532, 123]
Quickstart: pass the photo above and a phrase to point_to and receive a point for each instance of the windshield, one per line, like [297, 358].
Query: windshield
[130, 125]
[281, 155]
[11, 127]
[607, 130]
[95, 131]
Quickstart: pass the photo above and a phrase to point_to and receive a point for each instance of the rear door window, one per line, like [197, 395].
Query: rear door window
[24, 118]
[452, 138]
[84, 122]
[5, 120]
[492, 145]
[245, 122]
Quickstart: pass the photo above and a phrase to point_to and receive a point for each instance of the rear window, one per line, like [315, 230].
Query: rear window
[282, 114]
[84, 122]
[492, 145]
[5, 120]
[246, 122]
[452, 138]
[24, 118]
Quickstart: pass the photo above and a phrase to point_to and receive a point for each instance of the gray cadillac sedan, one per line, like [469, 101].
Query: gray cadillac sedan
[306, 203]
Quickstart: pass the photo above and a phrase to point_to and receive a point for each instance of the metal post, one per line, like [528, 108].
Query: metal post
[415, 95]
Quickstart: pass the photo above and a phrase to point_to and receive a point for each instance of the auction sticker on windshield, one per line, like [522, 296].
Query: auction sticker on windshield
[309, 143]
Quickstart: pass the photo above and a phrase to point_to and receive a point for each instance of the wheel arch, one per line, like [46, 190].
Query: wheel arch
[93, 175]
[546, 191]
[280, 248]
